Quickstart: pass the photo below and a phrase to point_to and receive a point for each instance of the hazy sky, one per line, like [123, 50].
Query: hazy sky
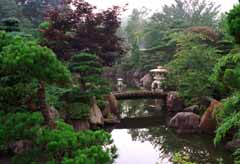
[152, 4]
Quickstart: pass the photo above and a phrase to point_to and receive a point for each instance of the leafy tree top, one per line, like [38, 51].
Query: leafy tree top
[84, 29]
[186, 13]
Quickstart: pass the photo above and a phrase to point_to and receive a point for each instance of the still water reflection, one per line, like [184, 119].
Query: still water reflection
[140, 142]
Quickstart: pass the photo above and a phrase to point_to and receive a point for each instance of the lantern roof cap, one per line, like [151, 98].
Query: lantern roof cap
[159, 69]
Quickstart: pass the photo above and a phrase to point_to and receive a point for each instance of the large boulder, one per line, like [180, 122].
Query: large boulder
[146, 81]
[96, 116]
[185, 122]
[174, 102]
[113, 105]
[106, 111]
[208, 123]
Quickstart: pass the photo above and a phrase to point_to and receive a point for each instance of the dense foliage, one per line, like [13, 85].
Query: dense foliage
[226, 78]
[233, 22]
[187, 37]
[61, 145]
[89, 83]
[226, 73]
[192, 66]
[24, 63]
[228, 117]
[76, 26]
[87, 70]
[150, 38]
[25, 68]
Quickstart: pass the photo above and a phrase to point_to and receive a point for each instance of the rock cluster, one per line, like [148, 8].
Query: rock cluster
[98, 117]
[189, 121]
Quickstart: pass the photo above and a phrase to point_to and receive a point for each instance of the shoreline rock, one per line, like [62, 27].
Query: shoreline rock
[208, 124]
[185, 122]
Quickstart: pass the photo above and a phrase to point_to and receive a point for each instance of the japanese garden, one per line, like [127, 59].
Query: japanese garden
[120, 84]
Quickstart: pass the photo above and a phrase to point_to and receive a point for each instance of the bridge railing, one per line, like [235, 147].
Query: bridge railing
[140, 95]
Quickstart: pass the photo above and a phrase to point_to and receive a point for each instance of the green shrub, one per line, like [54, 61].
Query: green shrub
[226, 73]
[61, 145]
[19, 126]
[23, 64]
[228, 116]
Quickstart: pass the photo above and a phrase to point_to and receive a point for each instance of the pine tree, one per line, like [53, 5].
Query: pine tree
[89, 83]
[10, 25]
[88, 71]
[26, 61]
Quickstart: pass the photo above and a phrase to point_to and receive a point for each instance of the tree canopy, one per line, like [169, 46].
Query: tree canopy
[76, 26]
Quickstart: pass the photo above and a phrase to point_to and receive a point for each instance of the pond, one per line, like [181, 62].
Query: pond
[143, 138]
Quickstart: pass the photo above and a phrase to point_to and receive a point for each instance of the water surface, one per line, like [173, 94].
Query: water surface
[143, 138]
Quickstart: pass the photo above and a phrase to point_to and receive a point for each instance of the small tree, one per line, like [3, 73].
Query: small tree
[87, 73]
[27, 60]
[88, 69]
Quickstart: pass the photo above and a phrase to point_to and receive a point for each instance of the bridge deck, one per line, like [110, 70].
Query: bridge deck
[140, 95]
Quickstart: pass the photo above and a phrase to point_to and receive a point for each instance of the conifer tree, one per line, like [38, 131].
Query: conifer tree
[88, 71]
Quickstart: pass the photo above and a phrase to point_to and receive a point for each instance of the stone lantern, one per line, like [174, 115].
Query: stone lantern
[159, 75]
[120, 84]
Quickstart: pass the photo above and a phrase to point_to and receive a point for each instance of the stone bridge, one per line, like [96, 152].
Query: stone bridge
[141, 95]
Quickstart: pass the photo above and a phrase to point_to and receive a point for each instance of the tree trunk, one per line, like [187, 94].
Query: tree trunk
[83, 85]
[43, 106]
[30, 104]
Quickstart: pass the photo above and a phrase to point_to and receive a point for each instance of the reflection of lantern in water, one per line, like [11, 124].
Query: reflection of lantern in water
[159, 75]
